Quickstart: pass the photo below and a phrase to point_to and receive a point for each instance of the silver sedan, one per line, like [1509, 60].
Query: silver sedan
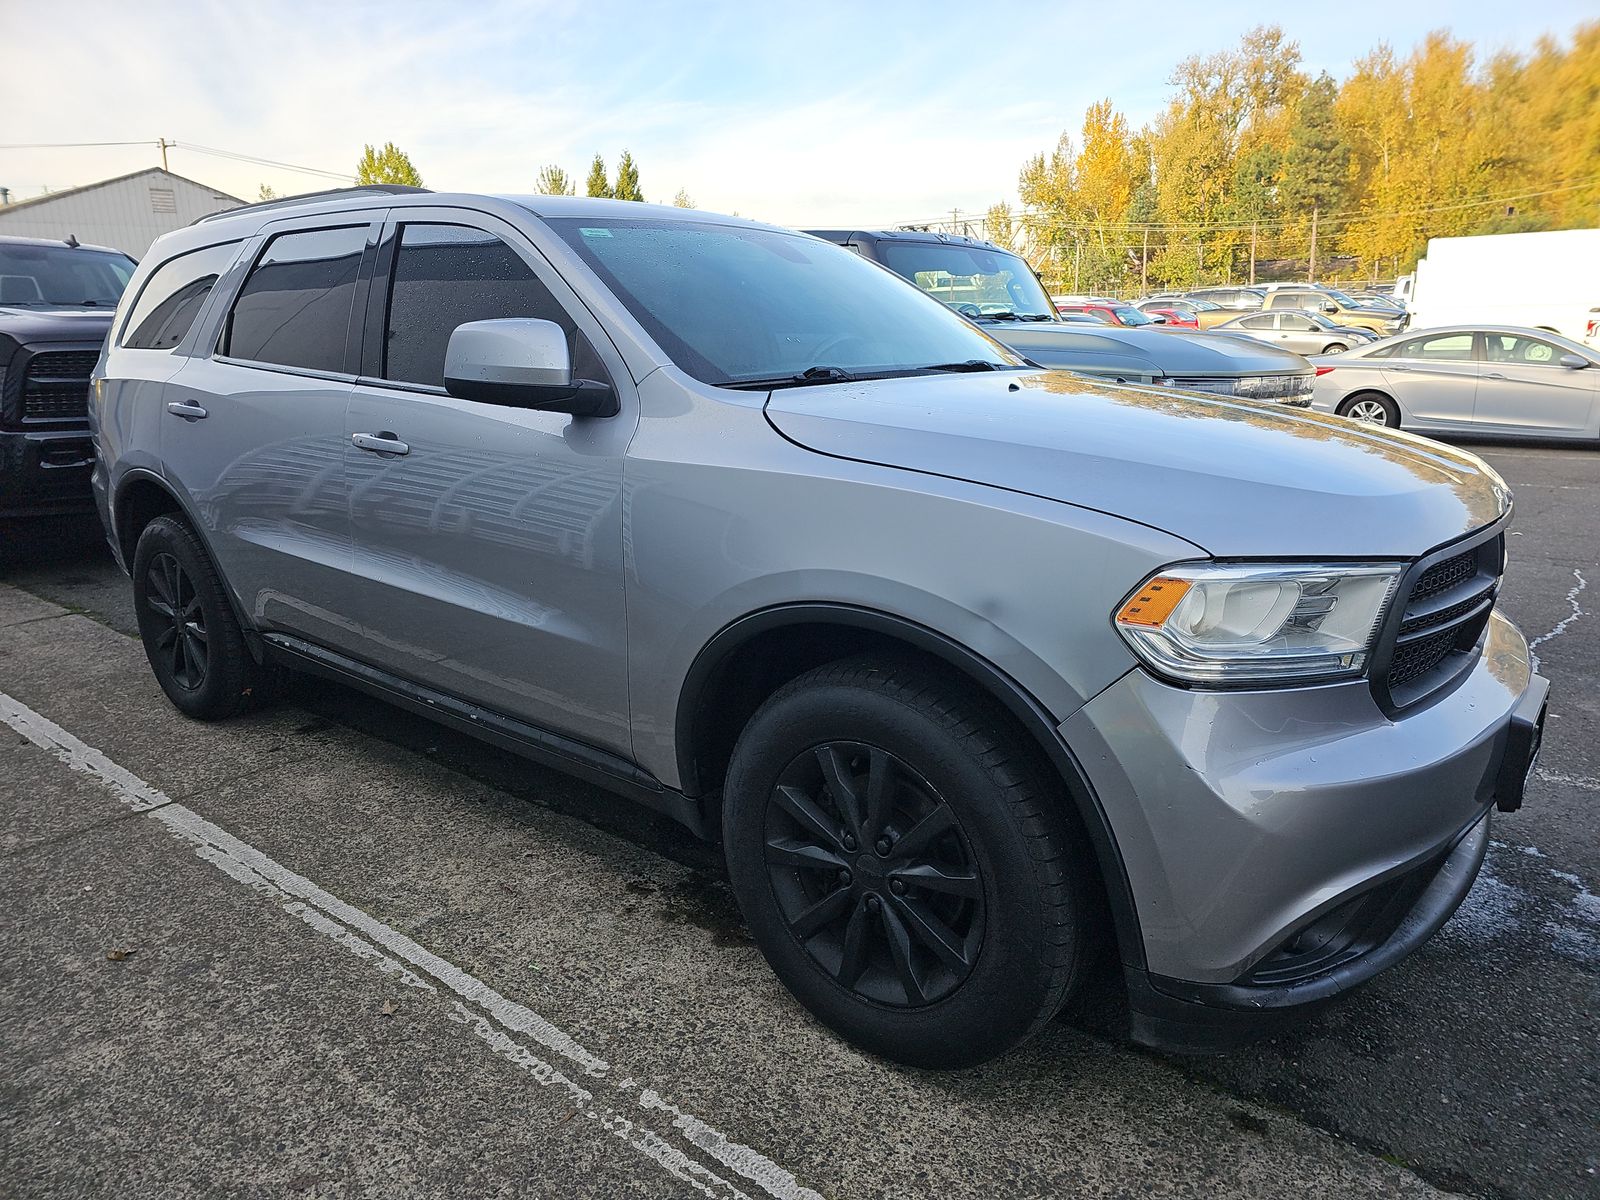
[1467, 379]
[1301, 332]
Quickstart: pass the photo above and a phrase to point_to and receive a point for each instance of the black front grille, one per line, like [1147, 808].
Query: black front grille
[1441, 621]
[55, 385]
[1446, 575]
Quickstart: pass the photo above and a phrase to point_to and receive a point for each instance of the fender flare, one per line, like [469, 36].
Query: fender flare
[1017, 701]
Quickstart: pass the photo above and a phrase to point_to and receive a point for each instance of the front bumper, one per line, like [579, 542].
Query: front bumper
[45, 473]
[1282, 847]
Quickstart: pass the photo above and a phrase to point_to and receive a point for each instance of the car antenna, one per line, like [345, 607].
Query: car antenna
[72, 240]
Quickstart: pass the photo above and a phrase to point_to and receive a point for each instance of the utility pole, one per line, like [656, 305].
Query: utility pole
[1077, 260]
[1144, 263]
[163, 143]
[1252, 251]
[1311, 269]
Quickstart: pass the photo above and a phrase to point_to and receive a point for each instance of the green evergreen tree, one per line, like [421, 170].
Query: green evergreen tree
[1316, 170]
[389, 165]
[627, 179]
[597, 184]
[553, 181]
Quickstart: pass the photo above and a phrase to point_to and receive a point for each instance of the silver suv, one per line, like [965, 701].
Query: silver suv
[983, 675]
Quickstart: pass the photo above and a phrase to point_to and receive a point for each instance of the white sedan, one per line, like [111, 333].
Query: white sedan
[1467, 379]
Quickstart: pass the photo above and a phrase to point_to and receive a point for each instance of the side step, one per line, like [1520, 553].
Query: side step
[600, 767]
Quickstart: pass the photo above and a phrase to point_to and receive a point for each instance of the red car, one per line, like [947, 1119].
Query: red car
[1177, 318]
[1112, 314]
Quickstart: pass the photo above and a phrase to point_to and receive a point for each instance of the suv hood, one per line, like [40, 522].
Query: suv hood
[1152, 352]
[1234, 477]
[65, 324]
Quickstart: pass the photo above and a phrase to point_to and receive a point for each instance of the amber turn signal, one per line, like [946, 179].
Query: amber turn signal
[1154, 602]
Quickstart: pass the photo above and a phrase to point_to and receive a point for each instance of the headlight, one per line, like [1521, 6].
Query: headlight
[1237, 623]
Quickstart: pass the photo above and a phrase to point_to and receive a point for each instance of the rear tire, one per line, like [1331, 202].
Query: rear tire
[934, 950]
[1335, 348]
[190, 635]
[1371, 408]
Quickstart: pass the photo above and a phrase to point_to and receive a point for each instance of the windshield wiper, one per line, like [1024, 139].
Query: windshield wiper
[971, 364]
[811, 375]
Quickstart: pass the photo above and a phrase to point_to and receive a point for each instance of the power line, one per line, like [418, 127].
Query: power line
[215, 152]
[69, 145]
[1040, 220]
[263, 162]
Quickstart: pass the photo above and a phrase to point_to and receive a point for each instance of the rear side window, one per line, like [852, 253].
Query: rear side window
[1438, 347]
[447, 275]
[294, 309]
[172, 297]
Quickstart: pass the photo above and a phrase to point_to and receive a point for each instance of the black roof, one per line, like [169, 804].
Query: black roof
[925, 236]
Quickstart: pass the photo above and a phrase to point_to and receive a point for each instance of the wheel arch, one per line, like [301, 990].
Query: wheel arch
[140, 497]
[750, 657]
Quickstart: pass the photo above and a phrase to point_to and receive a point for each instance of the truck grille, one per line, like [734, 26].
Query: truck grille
[55, 386]
[1442, 618]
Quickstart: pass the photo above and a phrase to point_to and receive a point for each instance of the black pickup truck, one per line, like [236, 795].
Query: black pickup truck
[56, 303]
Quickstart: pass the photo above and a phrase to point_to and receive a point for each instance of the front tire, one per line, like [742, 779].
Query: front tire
[1371, 408]
[190, 635]
[1335, 348]
[903, 863]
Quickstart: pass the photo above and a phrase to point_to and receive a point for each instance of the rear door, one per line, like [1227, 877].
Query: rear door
[488, 543]
[253, 433]
[1434, 376]
[1525, 389]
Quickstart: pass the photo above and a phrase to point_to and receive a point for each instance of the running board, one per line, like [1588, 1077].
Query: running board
[600, 767]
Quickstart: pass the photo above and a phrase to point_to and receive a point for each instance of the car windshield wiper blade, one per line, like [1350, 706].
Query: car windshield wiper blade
[811, 375]
[971, 364]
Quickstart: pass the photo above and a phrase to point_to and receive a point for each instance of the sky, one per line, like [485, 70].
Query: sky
[809, 114]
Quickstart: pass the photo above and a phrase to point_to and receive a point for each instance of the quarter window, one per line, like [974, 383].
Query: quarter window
[1264, 321]
[172, 297]
[294, 309]
[447, 275]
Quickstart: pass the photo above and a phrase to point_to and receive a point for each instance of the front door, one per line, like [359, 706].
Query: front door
[1525, 389]
[487, 539]
[254, 433]
[1435, 377]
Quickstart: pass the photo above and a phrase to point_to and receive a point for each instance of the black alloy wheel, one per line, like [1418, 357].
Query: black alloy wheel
[873, 875]
[191, 636]
[171, 597]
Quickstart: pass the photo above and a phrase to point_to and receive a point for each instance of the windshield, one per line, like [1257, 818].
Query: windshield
[49, 275]
[974, 280]
[1343, 300]
[1132, 316]
[737, 305]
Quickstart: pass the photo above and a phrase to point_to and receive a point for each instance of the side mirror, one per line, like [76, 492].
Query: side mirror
[520, 362]
[1573, 362]
[1158, 320]
[1330, 307]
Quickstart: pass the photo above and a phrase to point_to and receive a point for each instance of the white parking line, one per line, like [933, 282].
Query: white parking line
[624, 1111]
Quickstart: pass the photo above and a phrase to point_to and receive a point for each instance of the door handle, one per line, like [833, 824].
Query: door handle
[186, 410]
[380, 443]
[1494, 375]
[1397, 367]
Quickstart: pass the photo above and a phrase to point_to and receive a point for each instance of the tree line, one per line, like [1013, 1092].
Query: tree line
[1255, 169]
[390, 164]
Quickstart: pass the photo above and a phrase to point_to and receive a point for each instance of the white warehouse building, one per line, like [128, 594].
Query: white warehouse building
[126, 213]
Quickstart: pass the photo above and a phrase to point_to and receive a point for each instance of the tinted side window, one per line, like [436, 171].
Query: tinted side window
[1261, 322]
[172, 297]
[294, 308]
[447, 275]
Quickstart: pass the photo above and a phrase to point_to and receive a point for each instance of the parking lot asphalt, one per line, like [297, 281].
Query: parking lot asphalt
[332, 950]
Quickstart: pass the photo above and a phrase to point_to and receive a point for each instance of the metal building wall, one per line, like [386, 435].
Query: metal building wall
[127, 213]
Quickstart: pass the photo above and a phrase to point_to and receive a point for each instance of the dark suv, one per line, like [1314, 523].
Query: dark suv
[56, 301]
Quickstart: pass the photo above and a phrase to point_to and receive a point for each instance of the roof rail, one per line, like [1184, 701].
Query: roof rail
[379, 189]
